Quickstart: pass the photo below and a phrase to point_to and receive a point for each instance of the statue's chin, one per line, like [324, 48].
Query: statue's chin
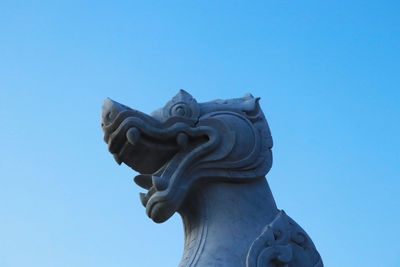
[160, 210]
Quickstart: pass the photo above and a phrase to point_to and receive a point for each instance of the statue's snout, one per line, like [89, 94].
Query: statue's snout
[109, 111]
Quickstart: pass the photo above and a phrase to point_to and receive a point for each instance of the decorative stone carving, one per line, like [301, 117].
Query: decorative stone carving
[208, 161]
[283, 243]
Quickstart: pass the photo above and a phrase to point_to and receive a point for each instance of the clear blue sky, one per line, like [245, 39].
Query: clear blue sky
[327, 72]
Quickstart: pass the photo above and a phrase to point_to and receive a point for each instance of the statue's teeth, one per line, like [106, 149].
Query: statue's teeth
[143, 199]
[117, 159]
[159, 183]
[133, 135]
[143, 180]
[182, 140]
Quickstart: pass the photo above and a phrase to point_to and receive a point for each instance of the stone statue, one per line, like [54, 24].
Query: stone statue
[208, 161]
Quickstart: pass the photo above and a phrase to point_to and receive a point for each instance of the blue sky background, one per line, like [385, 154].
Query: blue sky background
[328, 75]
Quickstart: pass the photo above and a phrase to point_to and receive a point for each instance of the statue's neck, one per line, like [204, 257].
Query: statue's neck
[221, 220]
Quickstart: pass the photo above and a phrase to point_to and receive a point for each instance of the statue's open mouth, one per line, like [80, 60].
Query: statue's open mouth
[155, 149]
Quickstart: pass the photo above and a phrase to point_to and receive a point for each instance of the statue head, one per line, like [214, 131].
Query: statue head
[185, 142]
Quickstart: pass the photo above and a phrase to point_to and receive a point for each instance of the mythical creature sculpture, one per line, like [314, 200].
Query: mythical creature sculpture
[208, 161]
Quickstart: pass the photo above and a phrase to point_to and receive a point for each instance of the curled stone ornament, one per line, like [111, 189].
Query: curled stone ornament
[283, 243]
[208, 161]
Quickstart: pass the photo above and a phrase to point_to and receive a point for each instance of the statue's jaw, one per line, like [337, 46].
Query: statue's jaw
[152, 148]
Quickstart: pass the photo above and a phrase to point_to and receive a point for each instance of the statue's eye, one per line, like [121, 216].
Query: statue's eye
[180, 109]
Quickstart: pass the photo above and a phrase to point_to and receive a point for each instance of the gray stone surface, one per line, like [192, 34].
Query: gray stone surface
[208, 161]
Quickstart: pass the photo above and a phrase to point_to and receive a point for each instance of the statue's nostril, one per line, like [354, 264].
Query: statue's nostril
[110, 110]
[105, 118]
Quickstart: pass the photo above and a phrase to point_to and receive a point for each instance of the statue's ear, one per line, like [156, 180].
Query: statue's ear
[182, 94]
[183, 97]
[248, 95]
